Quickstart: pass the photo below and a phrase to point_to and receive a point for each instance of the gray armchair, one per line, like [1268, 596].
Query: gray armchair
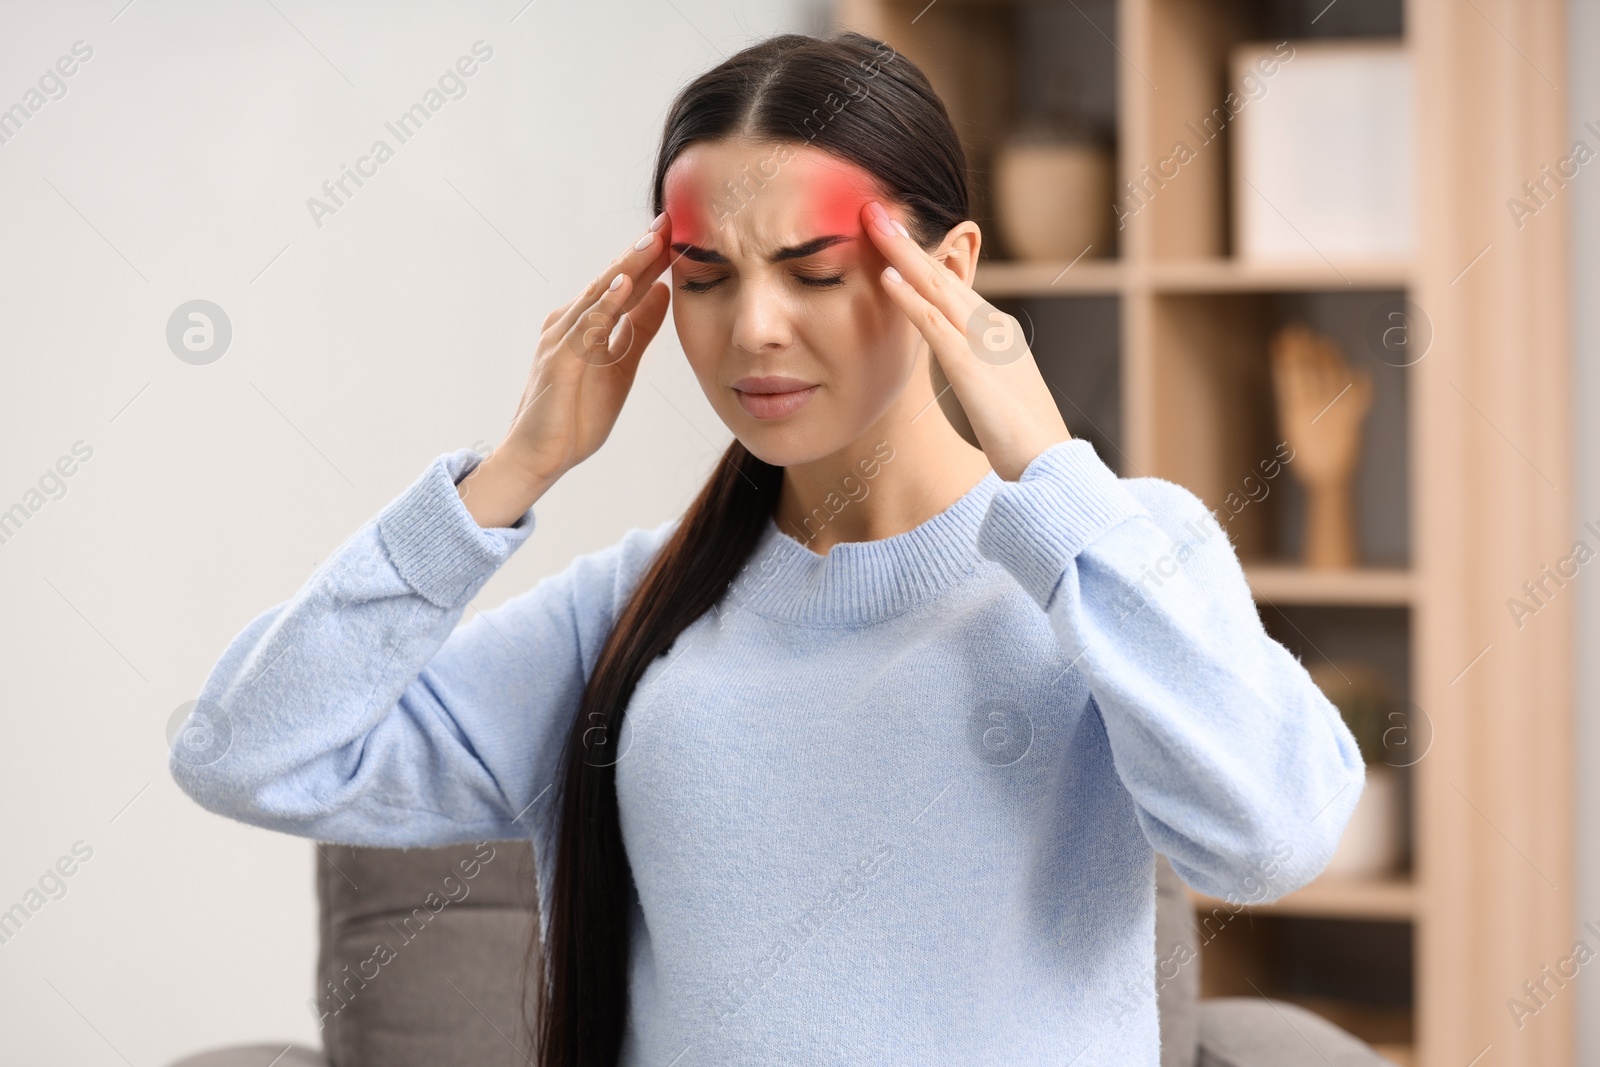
[456, 923]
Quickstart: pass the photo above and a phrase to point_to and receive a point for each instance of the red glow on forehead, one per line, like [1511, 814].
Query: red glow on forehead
[685, 204]
[837, 195]
[799, 193]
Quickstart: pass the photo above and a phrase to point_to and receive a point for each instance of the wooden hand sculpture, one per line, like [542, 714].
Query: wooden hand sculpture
[1322, 401]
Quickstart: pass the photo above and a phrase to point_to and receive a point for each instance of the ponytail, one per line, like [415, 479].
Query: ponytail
[583, 1011]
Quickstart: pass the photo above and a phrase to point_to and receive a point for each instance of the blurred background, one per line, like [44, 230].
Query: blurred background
[222, 354]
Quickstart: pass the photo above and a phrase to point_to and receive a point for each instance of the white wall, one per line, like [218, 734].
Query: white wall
[177, 166]
[1583, 88]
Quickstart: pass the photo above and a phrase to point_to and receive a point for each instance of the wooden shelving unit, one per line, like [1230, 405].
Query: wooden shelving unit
[1369, 898]
[1479, 496]
[1069, 277]
[1277, 583]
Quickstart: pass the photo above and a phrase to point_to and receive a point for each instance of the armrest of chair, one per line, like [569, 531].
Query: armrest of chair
[288, 1055]
[1255, 1032]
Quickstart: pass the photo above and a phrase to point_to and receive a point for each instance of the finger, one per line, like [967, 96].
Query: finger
[633, 262]
[653, 270]
[646, 318]
[589, 336]
[986, 334]
[934, 281]
[641, 265]
[650, 273]
[647, 315]
[947, 342]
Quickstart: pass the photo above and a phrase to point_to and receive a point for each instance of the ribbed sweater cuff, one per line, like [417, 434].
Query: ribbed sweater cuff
[436, 544]
[1064, 499]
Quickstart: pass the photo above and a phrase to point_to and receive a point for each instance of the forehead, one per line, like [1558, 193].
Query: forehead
[747, 199]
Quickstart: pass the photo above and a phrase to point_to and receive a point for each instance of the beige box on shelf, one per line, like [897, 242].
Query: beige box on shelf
[1323, 162]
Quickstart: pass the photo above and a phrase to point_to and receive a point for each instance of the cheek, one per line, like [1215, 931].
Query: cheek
[691, 326]
[702, 335]
[878, 319]
[874, 328]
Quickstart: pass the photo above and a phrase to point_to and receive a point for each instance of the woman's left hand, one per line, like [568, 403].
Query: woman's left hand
[980, 349]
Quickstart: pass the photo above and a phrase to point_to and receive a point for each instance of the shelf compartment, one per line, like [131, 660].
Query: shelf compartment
[1358, 973]
[1077, 344]
[1184, 82]
[1216, 424]
[1000, 66]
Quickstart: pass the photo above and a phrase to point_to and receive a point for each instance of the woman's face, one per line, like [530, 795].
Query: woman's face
[774, 277]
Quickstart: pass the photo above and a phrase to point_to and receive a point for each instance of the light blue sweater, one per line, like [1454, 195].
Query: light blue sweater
[895, 804]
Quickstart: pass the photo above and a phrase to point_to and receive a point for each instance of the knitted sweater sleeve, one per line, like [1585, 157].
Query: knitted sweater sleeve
[357, 712]
[1241, 771]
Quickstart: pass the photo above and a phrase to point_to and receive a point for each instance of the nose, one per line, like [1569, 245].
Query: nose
[762, 316]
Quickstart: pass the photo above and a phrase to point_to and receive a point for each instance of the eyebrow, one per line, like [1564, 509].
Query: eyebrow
[810, 248]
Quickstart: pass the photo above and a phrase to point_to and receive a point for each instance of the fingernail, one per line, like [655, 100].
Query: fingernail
[645, 242]
[892, 274]
[880, 218]
[661, 220]
[616, 283]
[899, 228]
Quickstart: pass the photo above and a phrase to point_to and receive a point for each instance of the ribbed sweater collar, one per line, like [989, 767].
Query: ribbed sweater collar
[861, 582]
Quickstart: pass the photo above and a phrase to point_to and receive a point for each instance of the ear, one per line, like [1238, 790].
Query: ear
[959, 250]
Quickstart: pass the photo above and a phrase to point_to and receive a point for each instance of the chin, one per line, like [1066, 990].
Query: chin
[786, 447]
[793, 442]
[818, 431]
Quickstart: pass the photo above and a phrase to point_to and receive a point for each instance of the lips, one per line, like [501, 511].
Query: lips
[771, 383]
[773, 397]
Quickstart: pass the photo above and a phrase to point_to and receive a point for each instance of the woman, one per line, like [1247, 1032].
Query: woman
[864, 758]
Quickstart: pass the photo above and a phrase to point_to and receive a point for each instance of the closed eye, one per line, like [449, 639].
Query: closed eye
[827, 282]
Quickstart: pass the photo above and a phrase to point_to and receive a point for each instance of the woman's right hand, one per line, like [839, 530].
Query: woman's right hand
[580, 377]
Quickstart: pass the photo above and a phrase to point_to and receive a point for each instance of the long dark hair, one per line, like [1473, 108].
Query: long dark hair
[854, 97]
